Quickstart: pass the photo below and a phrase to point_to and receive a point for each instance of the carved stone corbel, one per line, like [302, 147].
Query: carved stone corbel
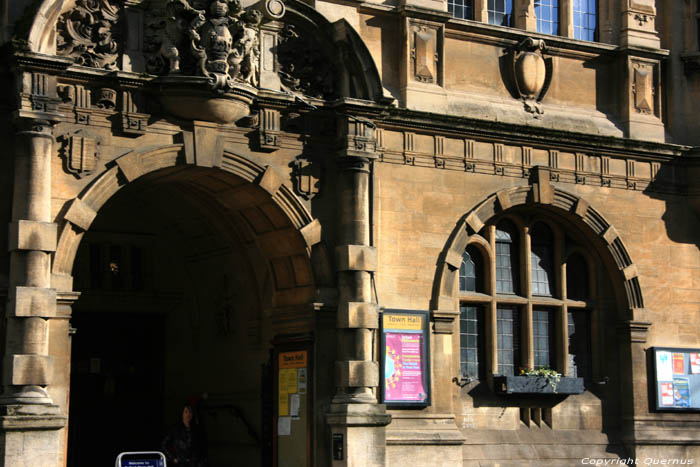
[269, 130]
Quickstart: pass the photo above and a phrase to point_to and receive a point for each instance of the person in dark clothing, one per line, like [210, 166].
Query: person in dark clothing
[184, 444]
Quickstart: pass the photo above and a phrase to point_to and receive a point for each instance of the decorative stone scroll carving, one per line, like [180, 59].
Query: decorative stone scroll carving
[89, 33]
[217, 40]
[303, 66]
[532, 74]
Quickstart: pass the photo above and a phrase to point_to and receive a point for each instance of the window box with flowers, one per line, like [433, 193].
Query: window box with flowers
[540, 381]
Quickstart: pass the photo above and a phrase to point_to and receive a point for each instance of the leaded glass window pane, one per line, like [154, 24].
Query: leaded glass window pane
[471, 340]
[462, 9]
[543, 338]
[585, 12]
[471, 272]
[506, 258]
[579, 331]
[500, 12]
[576, 278]
[541, 270]
[547, 13]
[508, 340]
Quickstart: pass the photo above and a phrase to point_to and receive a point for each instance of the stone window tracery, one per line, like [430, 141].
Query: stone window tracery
[543, 321]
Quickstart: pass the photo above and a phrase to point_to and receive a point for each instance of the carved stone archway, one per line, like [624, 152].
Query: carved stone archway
[82, 210]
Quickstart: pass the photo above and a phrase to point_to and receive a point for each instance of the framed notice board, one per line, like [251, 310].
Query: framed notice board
[405, 358]
[676, 379]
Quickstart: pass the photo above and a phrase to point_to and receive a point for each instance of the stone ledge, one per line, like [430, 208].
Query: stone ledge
[32, 422]
[425, 437]
[358, 415]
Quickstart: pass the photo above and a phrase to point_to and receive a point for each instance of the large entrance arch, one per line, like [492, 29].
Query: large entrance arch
[187, 273]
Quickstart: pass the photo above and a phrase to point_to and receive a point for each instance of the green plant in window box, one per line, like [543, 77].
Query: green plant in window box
[553, 377]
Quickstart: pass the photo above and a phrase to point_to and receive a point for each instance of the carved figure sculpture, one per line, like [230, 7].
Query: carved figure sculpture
[216, 39]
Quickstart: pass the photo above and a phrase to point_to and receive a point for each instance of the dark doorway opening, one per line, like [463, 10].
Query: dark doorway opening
[116, 386]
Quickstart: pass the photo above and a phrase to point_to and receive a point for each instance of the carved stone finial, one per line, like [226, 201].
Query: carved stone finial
[531, 73]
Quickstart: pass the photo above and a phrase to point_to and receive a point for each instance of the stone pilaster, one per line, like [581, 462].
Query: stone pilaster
[638, 24]
[357, 421]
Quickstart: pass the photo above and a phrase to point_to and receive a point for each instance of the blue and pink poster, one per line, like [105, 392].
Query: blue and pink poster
[405, 358]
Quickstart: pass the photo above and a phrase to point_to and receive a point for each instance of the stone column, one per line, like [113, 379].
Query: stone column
[357, 421]
[30, 420]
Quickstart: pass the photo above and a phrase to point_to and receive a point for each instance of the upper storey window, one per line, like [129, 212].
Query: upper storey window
[462, 9]
[585, 19]
[500, 12]
[547, 12]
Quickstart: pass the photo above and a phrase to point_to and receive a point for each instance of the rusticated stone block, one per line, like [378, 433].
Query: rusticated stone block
[356, 258]
[357, 373]
[28, 369]
[270, 180]
[32, 235]
[358, 315]
[80, 214]
[311, 232]
[32, 301]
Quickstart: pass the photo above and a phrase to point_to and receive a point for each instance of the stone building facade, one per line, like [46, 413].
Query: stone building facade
[197, 189]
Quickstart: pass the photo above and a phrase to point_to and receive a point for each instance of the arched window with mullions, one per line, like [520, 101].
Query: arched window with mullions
[506, 258]
[541, 250]
[545, 321]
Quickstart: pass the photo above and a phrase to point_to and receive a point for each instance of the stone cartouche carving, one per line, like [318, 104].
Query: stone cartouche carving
[87, 33]
[304, 69]
[218, 41]
[80, 153]
[532, 73]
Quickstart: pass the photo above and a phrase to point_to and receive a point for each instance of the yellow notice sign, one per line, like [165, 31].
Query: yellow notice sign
[403, 322]
[295, 359]
[287, 385]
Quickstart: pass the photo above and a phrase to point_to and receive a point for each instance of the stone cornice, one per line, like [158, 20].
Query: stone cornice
[411, 120]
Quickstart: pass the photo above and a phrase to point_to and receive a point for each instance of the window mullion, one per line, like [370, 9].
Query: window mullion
[481, 11]
[527, 355]
[491, 311]
[566, 18]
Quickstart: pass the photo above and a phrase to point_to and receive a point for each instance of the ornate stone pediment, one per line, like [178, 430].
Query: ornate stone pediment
[215, 50]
